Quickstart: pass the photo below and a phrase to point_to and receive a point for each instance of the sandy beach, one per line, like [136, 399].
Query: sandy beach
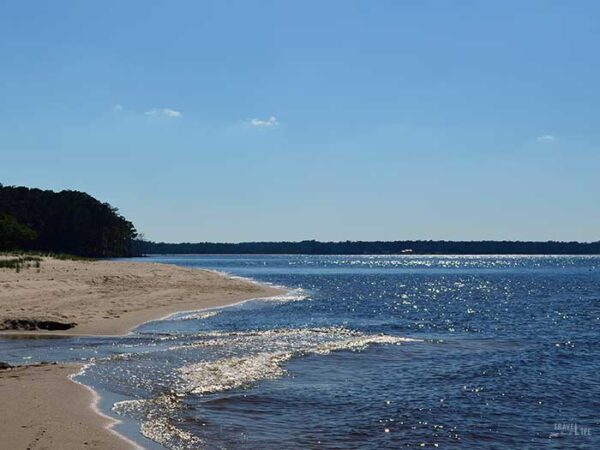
[110, 297]
[89, 298]
[42, 408]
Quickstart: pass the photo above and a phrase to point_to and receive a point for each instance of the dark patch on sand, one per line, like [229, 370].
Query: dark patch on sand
[33, 324]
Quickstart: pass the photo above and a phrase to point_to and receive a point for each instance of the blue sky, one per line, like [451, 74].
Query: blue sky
[275, 120]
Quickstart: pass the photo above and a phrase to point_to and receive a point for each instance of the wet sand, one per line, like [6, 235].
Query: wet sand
[41, 408]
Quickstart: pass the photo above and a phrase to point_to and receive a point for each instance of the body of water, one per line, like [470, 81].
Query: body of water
[366, 352]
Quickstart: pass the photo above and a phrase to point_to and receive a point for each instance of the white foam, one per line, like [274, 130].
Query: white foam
[155, 415]
[237, 372]
[295, 295]
[165, 433]
[232, 373]
[257, 356]
[285, 340]
[197, 315]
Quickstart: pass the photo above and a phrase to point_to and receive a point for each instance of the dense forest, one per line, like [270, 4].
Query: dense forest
[380, 248]
[63, 222]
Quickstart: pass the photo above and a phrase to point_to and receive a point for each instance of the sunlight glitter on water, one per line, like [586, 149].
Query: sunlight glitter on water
[219, 375]
[503, 349]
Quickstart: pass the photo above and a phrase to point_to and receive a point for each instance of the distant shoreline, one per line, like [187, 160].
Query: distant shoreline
[390, 248]
[150, 255]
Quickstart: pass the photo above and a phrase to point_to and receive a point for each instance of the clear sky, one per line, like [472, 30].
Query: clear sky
[332, 120]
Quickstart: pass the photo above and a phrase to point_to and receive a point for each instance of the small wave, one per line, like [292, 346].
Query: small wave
[247, 279]
[295, 295]
[198, 315]
[155, 415]
[258, 355]
[237, 372]
[231, 373]
[165, 433]
[285, 340]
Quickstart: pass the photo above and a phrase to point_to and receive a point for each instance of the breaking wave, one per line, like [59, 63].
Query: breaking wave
[242, 360]
[237, 372]
[156, 423]
[294, 295]
[197, 315]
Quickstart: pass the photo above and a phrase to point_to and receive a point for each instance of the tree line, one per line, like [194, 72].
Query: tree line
[63, 222]
[76, 223]
[379, 248]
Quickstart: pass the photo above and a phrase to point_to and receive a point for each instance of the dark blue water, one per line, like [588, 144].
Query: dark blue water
[365, 352]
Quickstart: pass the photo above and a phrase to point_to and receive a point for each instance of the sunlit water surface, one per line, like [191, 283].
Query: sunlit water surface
[364, 352]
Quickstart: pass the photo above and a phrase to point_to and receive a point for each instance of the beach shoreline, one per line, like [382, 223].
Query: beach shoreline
[103, 298]
[43, 406]
[111, 298]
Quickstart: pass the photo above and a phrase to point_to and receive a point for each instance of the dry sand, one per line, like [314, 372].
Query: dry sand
[40, 407]
[111, 298]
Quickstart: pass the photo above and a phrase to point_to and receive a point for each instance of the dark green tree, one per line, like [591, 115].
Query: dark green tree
[69, 222]
[13, 234]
